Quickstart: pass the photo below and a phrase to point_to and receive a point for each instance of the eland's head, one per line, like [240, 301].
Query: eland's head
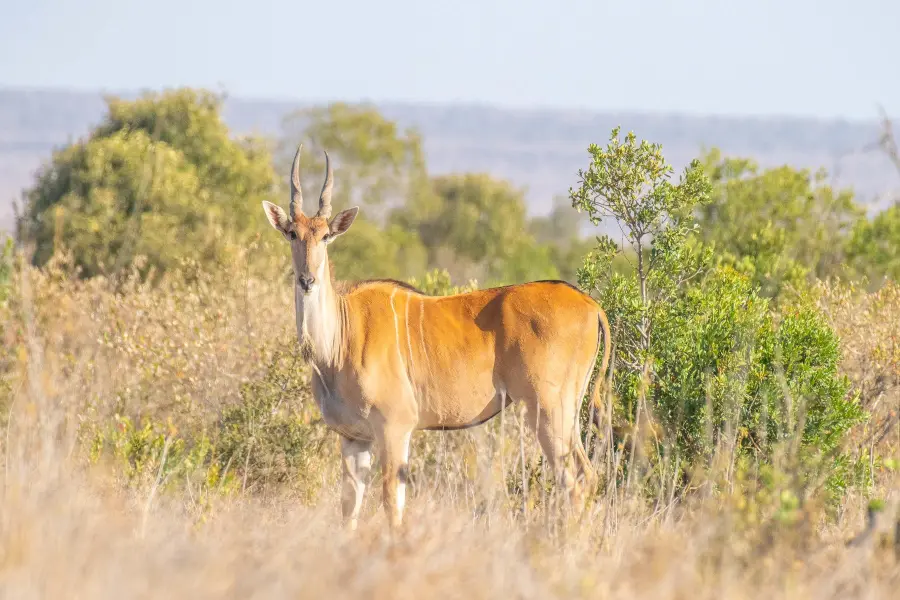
[309, 236]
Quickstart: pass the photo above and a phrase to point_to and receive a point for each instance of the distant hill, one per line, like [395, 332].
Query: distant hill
[540, 150]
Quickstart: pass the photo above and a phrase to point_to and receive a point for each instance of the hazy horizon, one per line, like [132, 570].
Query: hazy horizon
[866, 119]
[822, 60]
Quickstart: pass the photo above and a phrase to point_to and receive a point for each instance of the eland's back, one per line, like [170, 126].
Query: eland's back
[457, 358]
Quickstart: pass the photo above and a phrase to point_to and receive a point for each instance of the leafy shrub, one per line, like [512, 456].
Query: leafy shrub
[370, 251]
[779, 225]
[160, 178]
[874, 247]
[705, 351]
[152, 451]
[727, 376]
[271, 435]
[801, 383]
[437, 282]
[699, 349]
[268, 438]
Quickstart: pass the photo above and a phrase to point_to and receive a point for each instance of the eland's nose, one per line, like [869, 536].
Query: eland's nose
[306, 282]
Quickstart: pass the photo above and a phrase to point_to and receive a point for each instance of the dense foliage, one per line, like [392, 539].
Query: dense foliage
[699, 351]
[785, 227]
[160, 178]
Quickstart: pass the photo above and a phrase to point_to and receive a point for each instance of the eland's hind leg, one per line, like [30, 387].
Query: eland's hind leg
[357, 461]
[552, 417]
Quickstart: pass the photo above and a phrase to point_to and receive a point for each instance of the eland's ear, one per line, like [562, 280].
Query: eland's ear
[277, 217]
[342, 222]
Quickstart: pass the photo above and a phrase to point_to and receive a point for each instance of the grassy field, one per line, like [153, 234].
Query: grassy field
[161, 442]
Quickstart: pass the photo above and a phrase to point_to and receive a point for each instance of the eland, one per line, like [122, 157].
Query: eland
[388, 360]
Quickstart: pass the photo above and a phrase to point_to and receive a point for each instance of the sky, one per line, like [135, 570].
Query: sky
[819, 58]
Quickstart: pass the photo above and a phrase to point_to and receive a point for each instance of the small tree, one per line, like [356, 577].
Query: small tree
[629, 182]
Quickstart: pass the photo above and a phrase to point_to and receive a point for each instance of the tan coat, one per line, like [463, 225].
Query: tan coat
[389, 360]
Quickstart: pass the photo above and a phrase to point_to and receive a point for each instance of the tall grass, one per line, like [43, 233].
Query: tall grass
[161, 442]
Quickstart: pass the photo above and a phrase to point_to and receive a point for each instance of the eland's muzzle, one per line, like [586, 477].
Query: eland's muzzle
[306, 282]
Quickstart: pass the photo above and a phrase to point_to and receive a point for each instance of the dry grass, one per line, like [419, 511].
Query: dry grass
[481, 522]
[869, 328]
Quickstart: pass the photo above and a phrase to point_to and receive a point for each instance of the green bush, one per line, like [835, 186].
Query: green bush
[727, 376]
[804, 394]
[161, 177]
[874, 247]
[372, 252]
[151, 451]
[779, 225]
[705, 351]
[437, 282]
[699, 349]
[271, 436]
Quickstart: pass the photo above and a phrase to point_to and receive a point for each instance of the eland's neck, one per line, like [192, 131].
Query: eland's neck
[319, 321]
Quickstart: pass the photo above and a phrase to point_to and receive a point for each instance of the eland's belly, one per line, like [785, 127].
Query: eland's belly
[462, 401]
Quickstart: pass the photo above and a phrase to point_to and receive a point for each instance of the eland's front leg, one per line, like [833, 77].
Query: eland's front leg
[395, 465]
[357, 459]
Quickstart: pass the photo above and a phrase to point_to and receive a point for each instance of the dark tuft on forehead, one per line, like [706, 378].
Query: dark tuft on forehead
[317, 226]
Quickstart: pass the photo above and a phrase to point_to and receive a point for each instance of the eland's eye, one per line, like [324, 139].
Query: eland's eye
[293, 235]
